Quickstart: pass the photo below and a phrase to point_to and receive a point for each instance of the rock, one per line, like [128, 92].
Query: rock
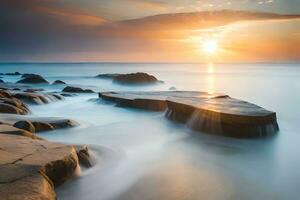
[37, 98]
[34, 168]
[32, 79]
[58, 82]
[63, 123]
[133, 78]
[211, 113]
[1, 81]
[42, 126]
[76, 90]
[10, 109]
[13, 106]
[11, 130]
[84, 157]
[13, 74]
[5, 94]
[25, 125]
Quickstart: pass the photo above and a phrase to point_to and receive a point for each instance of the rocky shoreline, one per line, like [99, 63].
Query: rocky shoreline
[31, 167]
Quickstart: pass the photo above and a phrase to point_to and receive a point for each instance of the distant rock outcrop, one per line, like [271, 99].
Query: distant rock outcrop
[76, 90]
[132, 78]
[58, 82]
[32, 79]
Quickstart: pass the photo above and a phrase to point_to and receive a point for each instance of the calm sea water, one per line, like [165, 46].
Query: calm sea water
[141, 155]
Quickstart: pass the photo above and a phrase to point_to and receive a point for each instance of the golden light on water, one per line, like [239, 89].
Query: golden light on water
[210, 46]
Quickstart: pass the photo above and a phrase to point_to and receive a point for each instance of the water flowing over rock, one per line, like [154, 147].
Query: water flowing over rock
[211, 113]
[37, 98]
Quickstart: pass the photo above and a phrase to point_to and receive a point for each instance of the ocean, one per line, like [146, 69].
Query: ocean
[141, 155]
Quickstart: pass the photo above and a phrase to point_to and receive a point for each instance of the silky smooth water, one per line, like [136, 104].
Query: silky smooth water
[141, 155]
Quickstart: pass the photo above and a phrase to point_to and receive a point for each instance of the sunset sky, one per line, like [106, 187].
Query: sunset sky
[149, 31]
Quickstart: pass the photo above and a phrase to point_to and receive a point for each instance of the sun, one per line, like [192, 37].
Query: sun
[210, 46]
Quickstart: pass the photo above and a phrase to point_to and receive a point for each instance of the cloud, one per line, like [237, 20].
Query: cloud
[49, 34]
[48, 8]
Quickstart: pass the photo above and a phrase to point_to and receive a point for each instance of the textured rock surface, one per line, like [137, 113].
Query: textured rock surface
[37, 98]
[13, 106]
[212, 113]
[11, 130]
[30, 169]
[32, 79]
[76, 90]
[133, 78]
[25, 125]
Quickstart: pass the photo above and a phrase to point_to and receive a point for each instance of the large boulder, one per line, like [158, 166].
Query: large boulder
[33, 79]
[76, 90]
[211, 113]
[132, 78]
[135, 78]
[34, 168]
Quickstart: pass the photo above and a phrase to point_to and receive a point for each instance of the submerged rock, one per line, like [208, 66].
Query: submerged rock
[35, 168]
[133, 78]
[32, 79]
[76, 90]
[211, 113]
[58, 82]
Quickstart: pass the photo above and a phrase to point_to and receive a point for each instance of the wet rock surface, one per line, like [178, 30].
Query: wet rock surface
[76, 90]
[32, 79]
[31, 169]
[133, 78]
[211, 113]
[37, 97]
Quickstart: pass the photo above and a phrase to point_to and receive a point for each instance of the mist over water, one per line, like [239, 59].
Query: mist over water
[142, 155]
